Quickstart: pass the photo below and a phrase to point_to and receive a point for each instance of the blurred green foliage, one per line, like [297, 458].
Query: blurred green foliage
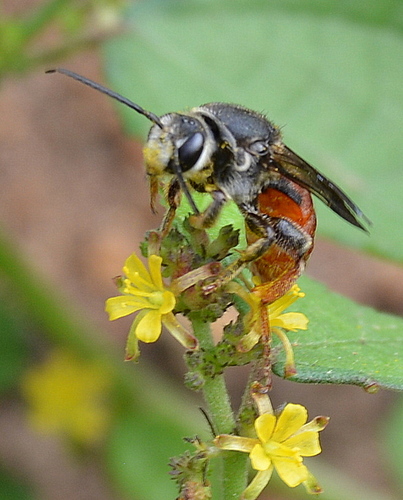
[52, 30]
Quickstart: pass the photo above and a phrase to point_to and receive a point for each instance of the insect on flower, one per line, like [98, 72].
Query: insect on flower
[237, 154]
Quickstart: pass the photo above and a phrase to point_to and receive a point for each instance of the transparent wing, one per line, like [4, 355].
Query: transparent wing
[298, 170]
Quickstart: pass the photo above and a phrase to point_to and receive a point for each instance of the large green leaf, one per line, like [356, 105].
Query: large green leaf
[330, 71]
[345, 343]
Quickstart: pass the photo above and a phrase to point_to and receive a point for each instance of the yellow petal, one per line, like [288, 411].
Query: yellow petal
[307, 443]
[282, 303]
[317, 424]
[132, 352]
[257, 484]
[259, 458]
[142, 284]
[290, 420]
[291, 321]
[292, 471]
[248, 341]
[154, 264]
[285, 301]
[264, 426]
[117, 307]
[168, 302]
[134, 266]
[149, 327]
[277, 308]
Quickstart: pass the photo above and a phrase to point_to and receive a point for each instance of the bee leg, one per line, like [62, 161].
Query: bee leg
[207, 218]
[173, 199]
[291, 237]
[155, 237]
[200, 221]
[264, 369]
[251, 253]
[272, 230]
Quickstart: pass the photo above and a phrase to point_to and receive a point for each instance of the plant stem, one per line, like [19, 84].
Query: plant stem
[234, 471]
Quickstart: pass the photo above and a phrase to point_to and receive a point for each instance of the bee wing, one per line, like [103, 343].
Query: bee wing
[298, 170]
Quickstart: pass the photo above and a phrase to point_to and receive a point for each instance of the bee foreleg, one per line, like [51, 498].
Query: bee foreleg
[207, 218]
[173, 198]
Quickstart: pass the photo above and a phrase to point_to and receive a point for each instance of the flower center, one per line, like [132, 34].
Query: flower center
[271, 447]
[276, 450]
[164, 301]
[156, 299]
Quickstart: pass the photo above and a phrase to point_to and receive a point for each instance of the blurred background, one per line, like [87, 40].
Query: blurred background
[76, 422]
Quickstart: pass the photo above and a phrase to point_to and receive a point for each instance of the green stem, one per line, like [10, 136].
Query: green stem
[234, 471]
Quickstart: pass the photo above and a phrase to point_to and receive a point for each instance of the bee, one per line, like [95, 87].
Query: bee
[234, 153]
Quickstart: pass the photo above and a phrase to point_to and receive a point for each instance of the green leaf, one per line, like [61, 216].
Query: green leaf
[330, 71]
[345, 343]
[229, 215]
[139, 450]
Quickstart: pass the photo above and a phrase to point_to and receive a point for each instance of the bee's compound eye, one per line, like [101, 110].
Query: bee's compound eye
[190, 151]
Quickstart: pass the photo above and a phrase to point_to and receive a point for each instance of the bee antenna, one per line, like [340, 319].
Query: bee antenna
[148, 114]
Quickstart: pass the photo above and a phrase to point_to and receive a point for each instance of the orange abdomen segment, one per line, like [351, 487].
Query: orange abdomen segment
[277, 269]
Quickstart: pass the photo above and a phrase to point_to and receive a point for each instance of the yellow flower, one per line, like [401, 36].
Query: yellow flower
[291, 321]
[264, 319]
[281, 443]
[144, 291]
[68, 395]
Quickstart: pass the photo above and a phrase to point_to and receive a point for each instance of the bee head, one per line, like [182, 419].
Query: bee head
[183, 144]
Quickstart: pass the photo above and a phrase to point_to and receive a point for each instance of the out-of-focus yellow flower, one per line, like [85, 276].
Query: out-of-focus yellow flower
[144, 291]
[282, 440]
[68, 395]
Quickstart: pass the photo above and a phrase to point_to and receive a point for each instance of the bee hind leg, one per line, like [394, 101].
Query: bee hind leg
[286, 234]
